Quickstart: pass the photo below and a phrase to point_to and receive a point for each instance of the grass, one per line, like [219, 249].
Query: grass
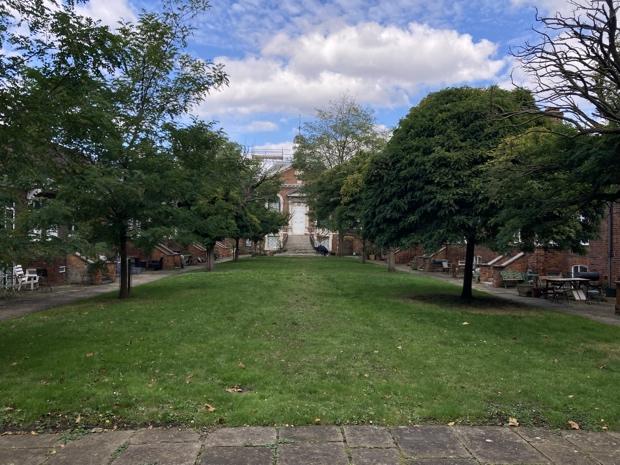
[306, 340]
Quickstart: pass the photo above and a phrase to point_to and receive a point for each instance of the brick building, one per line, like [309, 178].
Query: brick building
[291, 200]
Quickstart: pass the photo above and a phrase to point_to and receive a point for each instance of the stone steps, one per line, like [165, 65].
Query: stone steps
[299, 244]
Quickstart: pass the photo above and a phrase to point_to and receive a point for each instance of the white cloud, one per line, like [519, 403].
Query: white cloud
[260, 126]
[377, 65]
[109, 12]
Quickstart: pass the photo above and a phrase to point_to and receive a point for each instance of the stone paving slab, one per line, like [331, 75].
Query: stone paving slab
[318, 445]
[94, 449]
[179, 453]
[430, 442]
[157, 435]
[368, 436]
[22, 456]
[362, 456]
[311, 433]
[500, 446]
[237, 456]
[553, 445]
[247, 436]
[454, 461]
[592, 442]
[28, 441]
[330, 453]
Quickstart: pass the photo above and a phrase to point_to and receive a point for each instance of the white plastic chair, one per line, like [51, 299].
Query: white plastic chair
[29, 278]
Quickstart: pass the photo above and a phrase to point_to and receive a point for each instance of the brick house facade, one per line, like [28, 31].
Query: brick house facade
[291, 200]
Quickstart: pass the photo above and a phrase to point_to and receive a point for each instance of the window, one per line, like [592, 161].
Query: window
[274, 204]
[8, 221]
[579, 269]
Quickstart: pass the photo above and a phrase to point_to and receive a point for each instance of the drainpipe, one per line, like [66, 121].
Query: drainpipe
[610, 243]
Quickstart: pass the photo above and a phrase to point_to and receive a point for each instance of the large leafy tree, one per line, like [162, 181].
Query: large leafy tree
[51, 102]
[122, 190]
[326, 154]
[257, 187]
[428, 184]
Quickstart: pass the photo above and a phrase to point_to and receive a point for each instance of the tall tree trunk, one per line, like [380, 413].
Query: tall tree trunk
[124, 289]
[363, 250]
[236, 255]
[211, 258]
[391, 260]
[467, 295]
[340, 244]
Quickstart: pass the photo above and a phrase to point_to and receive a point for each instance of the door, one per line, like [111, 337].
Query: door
[298, 219]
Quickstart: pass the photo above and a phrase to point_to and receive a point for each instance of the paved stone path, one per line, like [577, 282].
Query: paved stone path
[601, 312]
[318, 445]
[43, 299]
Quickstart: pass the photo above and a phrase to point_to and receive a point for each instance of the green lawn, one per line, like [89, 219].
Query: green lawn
[306, 339]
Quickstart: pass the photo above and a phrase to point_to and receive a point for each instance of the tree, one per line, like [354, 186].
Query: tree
[256, 188]
[120, 189]
[337, 134]
[50, 106]
[552, 206]
[335, 197]
[340, 133]
[576, 65]
[208, 166]
[427, 185]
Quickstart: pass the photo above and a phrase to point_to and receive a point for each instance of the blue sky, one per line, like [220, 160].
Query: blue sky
[285, 58]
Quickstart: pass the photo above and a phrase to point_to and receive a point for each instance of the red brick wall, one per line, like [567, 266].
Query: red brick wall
[77, 270]
[54, 277]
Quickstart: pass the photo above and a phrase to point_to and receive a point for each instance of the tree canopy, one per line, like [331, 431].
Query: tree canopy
[428, 184]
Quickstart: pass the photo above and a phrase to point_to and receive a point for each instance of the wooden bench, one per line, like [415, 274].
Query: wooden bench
[511, 277]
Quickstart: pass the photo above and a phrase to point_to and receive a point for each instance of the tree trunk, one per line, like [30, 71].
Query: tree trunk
[340, 244]
[124, 289]
[391, 260]
[210, 258]
[236, 254]
[363, 250]
[467, 295]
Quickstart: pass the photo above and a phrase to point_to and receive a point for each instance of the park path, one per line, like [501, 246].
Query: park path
[43, 299]
[601, 312]
[317, 445]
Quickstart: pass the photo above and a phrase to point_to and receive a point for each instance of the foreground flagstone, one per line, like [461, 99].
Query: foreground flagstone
[317, 445]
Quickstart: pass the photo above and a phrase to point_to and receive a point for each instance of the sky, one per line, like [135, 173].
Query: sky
[286, 58]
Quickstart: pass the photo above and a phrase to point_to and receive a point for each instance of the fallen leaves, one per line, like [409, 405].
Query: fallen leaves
[465, 323]
[512, 421]
[241, 365]
[90, 354]
[573, 425]
[209, 408]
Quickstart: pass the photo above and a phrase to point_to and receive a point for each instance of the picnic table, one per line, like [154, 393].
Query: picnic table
[559, 287]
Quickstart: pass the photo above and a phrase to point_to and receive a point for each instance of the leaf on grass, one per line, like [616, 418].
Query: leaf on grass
[78, 418]
[465, 323]
[234, 389]
[573, 424]
[451, 423]
[241, 365]
[512, 421]
[209, 408]
[317, 421]
[90, 354]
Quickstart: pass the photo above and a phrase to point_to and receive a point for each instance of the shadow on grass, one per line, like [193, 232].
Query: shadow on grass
[479, 304]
